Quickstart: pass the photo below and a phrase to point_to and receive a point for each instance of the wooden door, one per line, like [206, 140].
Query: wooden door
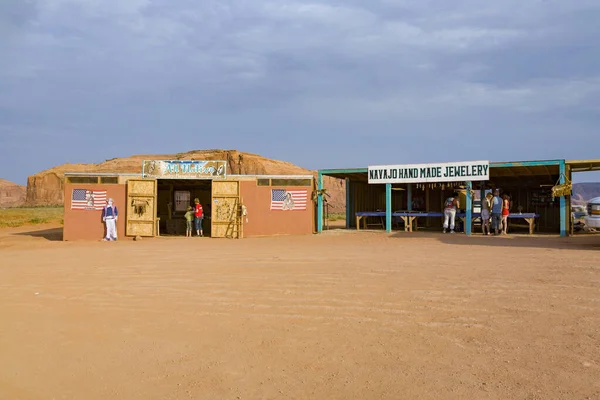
[225, 218]
[141, 207]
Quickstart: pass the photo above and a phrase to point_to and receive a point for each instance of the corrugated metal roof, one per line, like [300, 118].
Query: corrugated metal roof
[584, 165]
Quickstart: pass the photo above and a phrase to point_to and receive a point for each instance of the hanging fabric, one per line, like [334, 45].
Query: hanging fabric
[562, 189]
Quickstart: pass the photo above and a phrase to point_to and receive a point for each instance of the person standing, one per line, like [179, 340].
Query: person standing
[199, 215]
[485, 214]
[505, 213]
[496, 211]
[189, 221]
[110, 215]
[450, 206]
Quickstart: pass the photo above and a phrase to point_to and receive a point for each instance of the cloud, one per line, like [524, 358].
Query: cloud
[108, 65]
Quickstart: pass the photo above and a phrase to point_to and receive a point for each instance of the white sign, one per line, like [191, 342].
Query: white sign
[423, 173]
[184, 169]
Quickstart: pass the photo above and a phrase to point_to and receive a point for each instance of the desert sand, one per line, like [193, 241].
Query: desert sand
[341, 315]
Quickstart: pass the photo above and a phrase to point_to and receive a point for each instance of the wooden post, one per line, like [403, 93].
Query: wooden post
[563, 202]
[348, 203]
[469, 219]
[171, 201]
[388, 207]
[242, 216]
[320, 203]
[427, 202]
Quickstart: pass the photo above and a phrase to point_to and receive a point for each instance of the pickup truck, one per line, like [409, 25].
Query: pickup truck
[592, 220]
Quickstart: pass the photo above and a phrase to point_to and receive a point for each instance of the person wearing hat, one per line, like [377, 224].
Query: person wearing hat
[110, 215]
[496, 211]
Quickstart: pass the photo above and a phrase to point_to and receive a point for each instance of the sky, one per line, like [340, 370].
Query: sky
[321, 84]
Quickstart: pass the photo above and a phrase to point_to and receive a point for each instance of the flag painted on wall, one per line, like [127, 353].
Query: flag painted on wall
[283, 200]
[84, 199]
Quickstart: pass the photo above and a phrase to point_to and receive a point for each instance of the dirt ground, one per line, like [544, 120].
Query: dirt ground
[341, 315]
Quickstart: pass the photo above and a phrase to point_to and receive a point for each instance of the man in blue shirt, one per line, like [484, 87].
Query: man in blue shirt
[110, 215]
[496, 211]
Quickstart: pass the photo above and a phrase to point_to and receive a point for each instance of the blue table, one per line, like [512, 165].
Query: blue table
[410, 218]
[528, 217]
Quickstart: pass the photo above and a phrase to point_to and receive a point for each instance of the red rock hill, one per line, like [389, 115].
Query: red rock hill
[46, 187]
[11, 194]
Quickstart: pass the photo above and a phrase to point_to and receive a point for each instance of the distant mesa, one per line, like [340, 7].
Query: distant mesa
[11, 194]
[47, 187]
[583, 192]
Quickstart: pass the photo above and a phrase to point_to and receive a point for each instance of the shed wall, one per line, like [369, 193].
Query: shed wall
[264, 222]
[367, 197]
[88, 225]
[534, 195]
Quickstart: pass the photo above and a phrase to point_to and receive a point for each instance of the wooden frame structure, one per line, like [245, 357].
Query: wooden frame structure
[516, 174]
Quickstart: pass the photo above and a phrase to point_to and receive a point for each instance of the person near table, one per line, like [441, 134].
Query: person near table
[450, 206]
[485, 214]
[496, 212]
[505, 213]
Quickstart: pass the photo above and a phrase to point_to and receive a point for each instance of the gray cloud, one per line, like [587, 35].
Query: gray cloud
[367, 69]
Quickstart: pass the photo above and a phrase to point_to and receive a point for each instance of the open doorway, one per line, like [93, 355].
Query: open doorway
[173, 198]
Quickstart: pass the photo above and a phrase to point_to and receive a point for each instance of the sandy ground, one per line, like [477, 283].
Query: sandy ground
[342, 315]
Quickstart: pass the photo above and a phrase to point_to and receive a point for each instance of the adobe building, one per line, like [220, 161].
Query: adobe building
[154, 202]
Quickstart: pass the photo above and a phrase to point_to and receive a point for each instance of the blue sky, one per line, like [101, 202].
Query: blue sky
[322, 84]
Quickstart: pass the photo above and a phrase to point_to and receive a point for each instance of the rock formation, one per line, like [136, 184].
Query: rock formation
[11, 194]
[583, 192]
[47, 187]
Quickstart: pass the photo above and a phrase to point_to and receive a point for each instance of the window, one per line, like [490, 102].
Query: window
[109, 179]
[182, 199]
[82, 179]
[291, 182]
[263, 182]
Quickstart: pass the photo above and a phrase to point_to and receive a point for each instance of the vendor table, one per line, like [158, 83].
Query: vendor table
[410, 218]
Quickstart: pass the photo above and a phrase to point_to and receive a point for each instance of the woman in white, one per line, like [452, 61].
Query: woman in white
[450, 206]
[485, 214]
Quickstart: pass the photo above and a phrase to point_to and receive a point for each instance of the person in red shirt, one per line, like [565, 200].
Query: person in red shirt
[198, 217]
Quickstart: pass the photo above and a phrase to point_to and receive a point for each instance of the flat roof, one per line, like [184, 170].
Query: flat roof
[228, 176]
[584, 165]
[100, 174]
[503, 169]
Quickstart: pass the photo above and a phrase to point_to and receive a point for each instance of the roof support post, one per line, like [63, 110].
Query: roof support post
[320, 203]
[349, 206]
[563, 201]
[388, 207]
[469, 208]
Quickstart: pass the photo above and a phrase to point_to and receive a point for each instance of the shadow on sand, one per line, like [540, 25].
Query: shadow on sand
[55, 234]
[578, 242]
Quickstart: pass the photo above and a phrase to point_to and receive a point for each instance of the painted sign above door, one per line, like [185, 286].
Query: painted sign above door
[184, 169]
[422, 173]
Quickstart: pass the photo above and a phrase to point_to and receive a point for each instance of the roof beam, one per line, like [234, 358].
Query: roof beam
[523, 163]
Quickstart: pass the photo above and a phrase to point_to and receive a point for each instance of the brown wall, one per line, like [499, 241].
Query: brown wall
[88, 225]
[264, 222]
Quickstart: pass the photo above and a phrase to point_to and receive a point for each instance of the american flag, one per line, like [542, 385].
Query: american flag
[280, 199]
[84, 199]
